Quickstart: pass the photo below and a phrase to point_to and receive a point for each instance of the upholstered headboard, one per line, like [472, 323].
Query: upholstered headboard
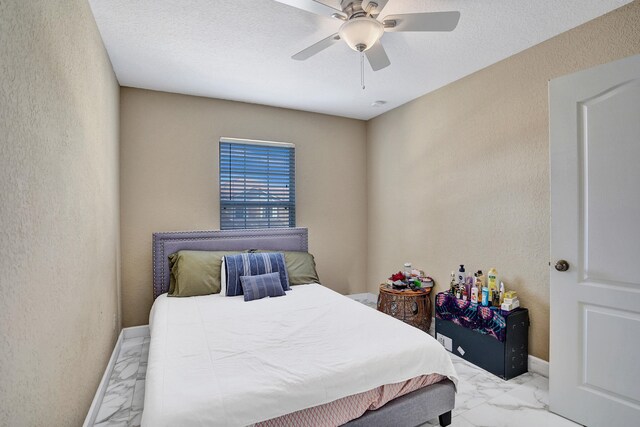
[164, 244]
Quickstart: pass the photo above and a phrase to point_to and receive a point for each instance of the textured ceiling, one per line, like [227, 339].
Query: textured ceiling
[241, 49]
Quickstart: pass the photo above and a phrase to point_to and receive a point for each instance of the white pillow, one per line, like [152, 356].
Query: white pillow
[223, 279]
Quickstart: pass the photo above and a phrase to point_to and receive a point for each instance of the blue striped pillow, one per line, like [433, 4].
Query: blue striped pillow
[253, 264]
[261, 286]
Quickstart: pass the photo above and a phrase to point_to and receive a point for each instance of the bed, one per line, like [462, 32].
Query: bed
[218, 360]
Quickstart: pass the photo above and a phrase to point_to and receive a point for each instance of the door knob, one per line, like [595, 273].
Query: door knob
[562, 265]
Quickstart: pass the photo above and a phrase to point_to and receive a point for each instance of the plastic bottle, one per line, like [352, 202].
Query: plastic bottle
[474, 291]
[492, 283]
[462, 275]
[496, 299]
[407, 270]
[485, 296]
[479, 280]
[468, 283]
[501, 293]
[452, 284]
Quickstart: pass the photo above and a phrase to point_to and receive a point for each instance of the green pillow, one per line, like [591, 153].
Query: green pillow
[195, 273]
[301, 267]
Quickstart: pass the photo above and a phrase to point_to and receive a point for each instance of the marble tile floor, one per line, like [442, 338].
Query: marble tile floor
[486, 400]
[482, 399]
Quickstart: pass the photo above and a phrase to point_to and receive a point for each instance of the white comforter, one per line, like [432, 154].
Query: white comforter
[220, 361]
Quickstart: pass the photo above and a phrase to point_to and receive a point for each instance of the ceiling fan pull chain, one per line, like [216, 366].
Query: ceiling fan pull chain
[362, 69]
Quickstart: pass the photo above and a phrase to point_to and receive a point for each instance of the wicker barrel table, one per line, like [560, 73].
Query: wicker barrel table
[412, 307]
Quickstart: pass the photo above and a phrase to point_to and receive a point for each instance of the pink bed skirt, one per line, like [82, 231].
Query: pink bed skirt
[349, 408]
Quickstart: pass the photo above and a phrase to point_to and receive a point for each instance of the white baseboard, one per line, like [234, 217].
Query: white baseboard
[102, 388]
[538, 366]
[126, 333]
[136, 331]
[364, 296]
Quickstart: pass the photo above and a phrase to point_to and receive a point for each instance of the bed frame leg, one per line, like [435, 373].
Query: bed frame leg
[445, 419]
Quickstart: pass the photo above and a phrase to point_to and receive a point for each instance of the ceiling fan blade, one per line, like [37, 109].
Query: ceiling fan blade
[380, 5]
[316, 48]
[311, 6]
[377, 57]
[430, 21]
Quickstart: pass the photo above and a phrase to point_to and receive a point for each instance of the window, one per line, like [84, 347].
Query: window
[257, 184]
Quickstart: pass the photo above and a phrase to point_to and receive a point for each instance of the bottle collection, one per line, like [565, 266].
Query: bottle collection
[486, 292]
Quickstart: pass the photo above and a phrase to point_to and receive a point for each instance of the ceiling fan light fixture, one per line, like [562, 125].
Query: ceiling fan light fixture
[359, 32]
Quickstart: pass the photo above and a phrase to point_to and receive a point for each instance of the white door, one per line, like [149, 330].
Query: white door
[594, 372]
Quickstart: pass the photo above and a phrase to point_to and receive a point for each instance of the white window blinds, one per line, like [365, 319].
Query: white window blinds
[257, 184]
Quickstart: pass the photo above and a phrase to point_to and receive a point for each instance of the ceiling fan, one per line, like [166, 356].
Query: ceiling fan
[362, 27]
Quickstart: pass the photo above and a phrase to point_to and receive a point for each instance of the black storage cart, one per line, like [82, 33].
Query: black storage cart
[506, 359]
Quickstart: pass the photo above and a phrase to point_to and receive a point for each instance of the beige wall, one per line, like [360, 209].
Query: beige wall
[58, 211]
[474, 186]
[169, 181]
